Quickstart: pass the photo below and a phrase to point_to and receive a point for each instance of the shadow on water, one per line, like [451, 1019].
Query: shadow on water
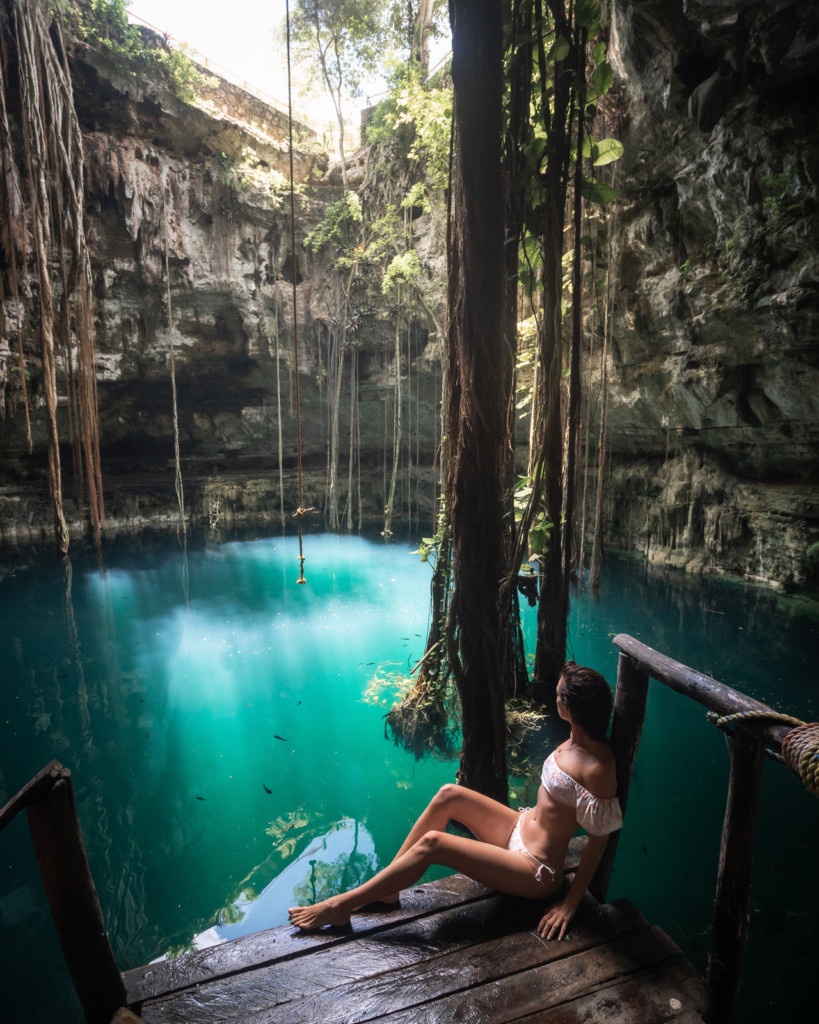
[225, 763]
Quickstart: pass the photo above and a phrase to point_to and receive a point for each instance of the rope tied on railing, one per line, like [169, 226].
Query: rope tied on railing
[800, 748]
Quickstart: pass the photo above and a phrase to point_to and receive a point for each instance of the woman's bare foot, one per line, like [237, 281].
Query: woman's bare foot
[391, 900]
[317, 916]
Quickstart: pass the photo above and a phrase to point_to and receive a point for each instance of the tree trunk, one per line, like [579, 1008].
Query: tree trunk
[480, 376]
[550, 653]
[420, 36]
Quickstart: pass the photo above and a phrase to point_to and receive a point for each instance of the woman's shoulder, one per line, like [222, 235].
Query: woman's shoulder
[595, 769]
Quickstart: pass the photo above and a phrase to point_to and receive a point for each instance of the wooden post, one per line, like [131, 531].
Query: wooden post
[60, 850]
[734, 879]
[626, 729]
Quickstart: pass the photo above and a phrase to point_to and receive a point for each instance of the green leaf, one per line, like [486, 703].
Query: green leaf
[603, 78]
[598, 53]
[587, 12]
[560, 50]
[596, 191]
[532, 251]
[539, 538]
[606, 151]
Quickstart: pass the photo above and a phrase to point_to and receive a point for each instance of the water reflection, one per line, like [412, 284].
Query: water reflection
[331, 862]
[219, 742]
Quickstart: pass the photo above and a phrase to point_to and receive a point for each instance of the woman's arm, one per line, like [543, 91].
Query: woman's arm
[558, 916]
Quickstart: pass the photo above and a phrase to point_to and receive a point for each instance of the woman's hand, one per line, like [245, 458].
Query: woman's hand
[556, 919]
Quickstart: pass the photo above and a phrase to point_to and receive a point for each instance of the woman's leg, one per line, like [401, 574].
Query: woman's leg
[487, 819]
[491, 865]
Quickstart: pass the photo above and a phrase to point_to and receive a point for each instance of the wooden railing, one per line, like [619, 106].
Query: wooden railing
[637, 664]
[75, 906]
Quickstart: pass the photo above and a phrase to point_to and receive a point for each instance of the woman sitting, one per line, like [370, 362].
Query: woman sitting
[520, 853]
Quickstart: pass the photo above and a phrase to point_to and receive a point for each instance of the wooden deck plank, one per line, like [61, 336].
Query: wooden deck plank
[277, 944]
[282, 943]
[668, 994]
[494, 981]
[408, 942]
[440, 999]
[293, 986]
[454, 951]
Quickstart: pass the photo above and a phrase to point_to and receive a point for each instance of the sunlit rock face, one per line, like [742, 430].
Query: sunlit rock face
[714, 414]
[712, 421]
[188, 220]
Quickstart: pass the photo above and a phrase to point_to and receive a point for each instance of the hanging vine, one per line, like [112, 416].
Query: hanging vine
[178, 486]
[43, 207]
[557, 76]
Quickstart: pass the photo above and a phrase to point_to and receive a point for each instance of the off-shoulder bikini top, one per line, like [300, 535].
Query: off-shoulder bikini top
[597, 815]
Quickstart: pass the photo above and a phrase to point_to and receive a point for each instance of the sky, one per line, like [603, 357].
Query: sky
[238, 36]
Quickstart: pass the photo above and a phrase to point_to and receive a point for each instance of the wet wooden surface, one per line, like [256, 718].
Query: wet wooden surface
[454, 951]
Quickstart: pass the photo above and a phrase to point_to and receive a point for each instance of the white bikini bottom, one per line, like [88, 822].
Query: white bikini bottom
[515, 844]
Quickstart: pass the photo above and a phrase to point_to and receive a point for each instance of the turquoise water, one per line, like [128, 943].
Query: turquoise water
[226, 763]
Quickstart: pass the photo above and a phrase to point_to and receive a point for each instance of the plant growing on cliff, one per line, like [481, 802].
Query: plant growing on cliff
[249, 172]
[757, 231]
[339, 229]
[107, 28]
[415, 118]
[339, 234]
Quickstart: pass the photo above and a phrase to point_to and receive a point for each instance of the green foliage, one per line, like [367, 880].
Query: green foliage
[606, 151]
[748, 250]
[431, 546]
[401, 21]
[247, 172]
[340, 42]
[587, 15]
[416, 117]
[108, 29]
[401, 270]
[339, 229]
[597, 191]
[182, 72]
[417, 198]
[540, 531]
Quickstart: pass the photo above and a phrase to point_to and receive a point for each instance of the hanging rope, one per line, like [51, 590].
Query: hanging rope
[180, 493]
[800, 748]
[300, 513]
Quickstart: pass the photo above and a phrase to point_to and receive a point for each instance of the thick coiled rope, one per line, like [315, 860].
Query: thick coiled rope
[800, 748]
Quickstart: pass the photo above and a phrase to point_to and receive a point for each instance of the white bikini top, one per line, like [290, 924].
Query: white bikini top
[596, 814]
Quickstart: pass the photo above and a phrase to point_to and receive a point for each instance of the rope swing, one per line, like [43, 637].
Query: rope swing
[800, 748]
[301, 511]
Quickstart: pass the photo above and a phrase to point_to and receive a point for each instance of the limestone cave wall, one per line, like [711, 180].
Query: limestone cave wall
[712, 424]
[202, 189]
[714, 412]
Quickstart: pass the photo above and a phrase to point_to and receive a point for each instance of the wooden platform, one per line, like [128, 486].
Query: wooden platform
[454, 952]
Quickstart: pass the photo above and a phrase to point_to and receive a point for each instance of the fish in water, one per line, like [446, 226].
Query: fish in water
[266, 789]
[201, 798]
[275, 737]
